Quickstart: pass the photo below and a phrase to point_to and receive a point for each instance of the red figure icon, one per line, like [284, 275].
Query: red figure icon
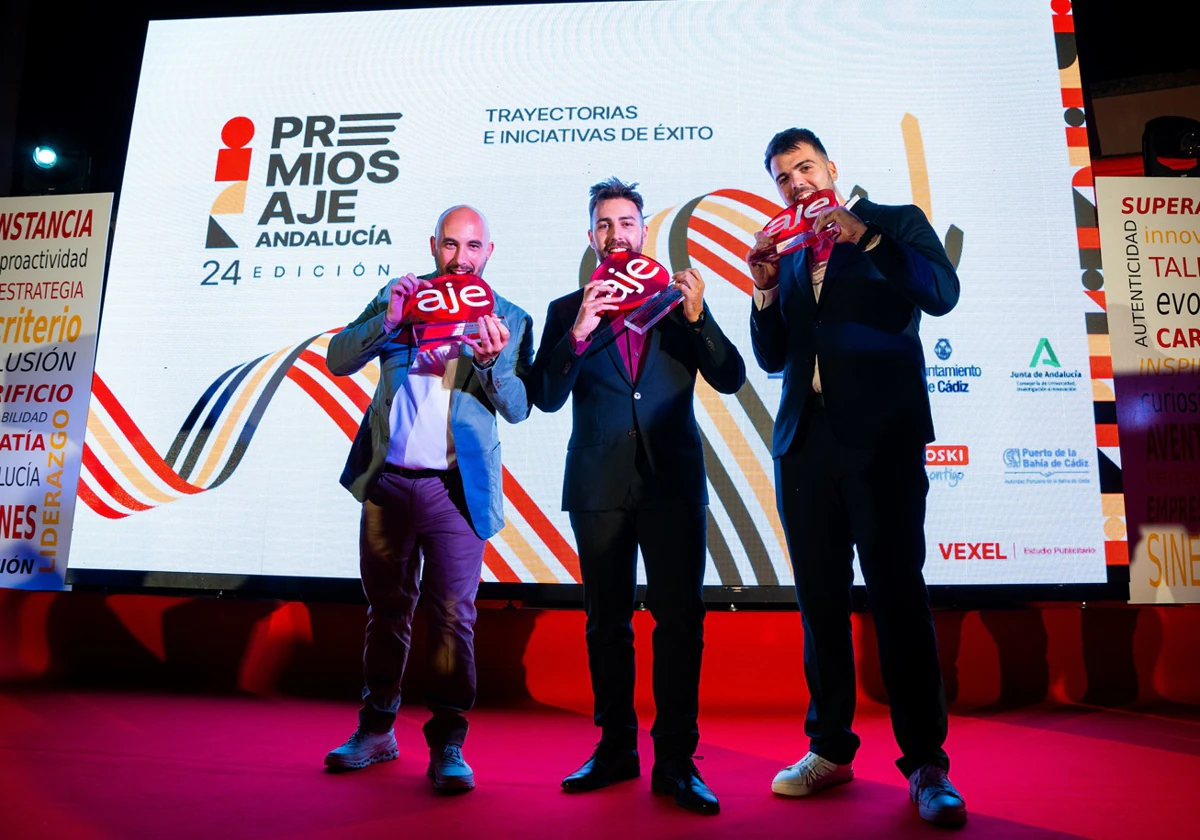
[233, 163]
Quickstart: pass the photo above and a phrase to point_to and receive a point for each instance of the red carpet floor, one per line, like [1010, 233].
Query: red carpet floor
[117, 765]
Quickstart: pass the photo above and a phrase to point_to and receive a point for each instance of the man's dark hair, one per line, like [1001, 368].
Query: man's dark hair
[791, 138]
[614, 188]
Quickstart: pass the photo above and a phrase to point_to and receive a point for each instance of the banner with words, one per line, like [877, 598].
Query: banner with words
[52, 255]
[1150, 244]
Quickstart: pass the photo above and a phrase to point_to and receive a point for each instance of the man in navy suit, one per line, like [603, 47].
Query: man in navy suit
[840, 321]
[635, 479]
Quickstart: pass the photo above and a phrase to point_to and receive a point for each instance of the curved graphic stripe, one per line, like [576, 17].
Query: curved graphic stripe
[763, 205]
[124, 464]
[726, 271]
[761, 485]
[345, 384]
[497, 566]
[214, 455]
[89, 498]
[542, 526]
[256, 414]
[186, 430]
[331, 407]
[136, 439]
[105, 479]
[214, 416]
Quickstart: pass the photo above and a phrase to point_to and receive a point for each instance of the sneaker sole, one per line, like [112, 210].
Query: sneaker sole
[337, 763]
[454, 784]
[794, 790]
[955, 818]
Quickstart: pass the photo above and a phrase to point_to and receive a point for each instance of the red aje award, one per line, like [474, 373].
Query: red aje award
[449, 310]
[639, 286]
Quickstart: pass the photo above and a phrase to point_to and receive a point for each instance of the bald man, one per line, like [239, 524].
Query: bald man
[426, 467]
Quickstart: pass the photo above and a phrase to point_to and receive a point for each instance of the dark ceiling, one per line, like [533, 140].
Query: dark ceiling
[80, 70]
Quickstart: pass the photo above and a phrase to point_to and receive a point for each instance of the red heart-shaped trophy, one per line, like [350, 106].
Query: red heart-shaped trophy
[451, 298]
[631, 278]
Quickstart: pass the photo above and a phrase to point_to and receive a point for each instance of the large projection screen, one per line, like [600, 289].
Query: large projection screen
[281, 169]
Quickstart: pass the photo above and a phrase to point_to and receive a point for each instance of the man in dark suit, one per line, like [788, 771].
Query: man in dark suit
[635, 479]
[840, 320]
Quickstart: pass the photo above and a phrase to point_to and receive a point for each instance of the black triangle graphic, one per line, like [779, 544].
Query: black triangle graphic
[217, 237]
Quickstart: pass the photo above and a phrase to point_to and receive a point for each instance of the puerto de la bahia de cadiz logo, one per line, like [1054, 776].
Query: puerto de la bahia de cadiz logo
[1045, 373]
[315, 168]
[949, 377]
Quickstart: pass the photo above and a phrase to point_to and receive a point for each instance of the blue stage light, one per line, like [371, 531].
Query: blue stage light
[45, 157]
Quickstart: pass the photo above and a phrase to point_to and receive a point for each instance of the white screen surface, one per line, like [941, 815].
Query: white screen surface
[217, 437]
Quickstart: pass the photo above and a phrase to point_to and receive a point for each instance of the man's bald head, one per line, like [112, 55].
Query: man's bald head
[461, 242]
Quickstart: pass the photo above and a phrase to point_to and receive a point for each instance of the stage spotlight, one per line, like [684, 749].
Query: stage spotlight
[44, 157]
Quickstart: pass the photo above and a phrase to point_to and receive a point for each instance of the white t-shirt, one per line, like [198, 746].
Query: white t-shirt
[421, 438]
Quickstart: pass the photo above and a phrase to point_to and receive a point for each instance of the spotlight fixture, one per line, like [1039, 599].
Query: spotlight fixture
[44, 157]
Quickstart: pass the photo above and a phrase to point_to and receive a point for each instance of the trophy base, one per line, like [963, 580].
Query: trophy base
[426, 334]
[653, 310]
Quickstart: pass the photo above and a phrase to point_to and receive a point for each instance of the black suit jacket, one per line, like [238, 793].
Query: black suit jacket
[610, 414]
[863, 330]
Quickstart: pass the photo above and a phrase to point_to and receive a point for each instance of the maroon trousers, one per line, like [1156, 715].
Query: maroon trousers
[408, 516]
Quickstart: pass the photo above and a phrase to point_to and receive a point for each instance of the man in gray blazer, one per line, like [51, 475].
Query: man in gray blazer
[426, 467]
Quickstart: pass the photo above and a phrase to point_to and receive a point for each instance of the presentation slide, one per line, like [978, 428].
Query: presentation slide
[282, 169]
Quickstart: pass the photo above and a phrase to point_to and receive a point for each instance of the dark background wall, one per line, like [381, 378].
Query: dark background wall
[71, 77]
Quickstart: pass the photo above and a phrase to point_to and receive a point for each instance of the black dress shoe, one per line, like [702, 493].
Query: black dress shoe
[682, 780]
[602, 769]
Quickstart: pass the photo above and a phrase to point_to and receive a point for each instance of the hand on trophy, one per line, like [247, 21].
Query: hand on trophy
[493, 337]
[851, 227]
[402, 289]
[595, 301]
[763, 261]
[691, 285]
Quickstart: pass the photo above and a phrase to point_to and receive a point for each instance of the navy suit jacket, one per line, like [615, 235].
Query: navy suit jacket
[610, 413]
[863, 330]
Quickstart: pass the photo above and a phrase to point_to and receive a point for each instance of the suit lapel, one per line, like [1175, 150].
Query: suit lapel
[650, 351]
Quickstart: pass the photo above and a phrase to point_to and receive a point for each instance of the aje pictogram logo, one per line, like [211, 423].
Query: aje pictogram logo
[233, 165]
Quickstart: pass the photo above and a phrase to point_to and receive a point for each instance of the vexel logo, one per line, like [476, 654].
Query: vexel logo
[974, 551]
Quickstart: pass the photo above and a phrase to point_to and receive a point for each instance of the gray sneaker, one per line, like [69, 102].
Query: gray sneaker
[363, 748]
[449, 772]
[937, 799]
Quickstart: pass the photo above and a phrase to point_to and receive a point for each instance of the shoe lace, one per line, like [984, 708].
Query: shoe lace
[812, 767]
[452, 754]
[931, 781]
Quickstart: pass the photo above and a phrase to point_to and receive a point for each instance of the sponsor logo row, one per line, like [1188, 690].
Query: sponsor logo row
[947, 465]
[1043, 374]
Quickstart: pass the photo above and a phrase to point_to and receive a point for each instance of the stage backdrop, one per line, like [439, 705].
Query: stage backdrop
[282, 169]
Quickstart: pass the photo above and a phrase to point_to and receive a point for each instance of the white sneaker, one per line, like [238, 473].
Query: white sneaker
[811, 774]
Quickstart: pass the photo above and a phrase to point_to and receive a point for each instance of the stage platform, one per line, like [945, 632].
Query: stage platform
[147, 716]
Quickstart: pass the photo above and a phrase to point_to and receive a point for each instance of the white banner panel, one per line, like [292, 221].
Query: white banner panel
[281, 169]
[52, 252]
[1150, 240]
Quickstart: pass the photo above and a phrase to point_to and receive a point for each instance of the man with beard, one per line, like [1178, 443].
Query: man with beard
[635, 479]
[840, 321]
[426, 467]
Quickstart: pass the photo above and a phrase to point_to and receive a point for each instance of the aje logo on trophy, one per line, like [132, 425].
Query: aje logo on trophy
[639, 286]
[793, 228]
[448, 309]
